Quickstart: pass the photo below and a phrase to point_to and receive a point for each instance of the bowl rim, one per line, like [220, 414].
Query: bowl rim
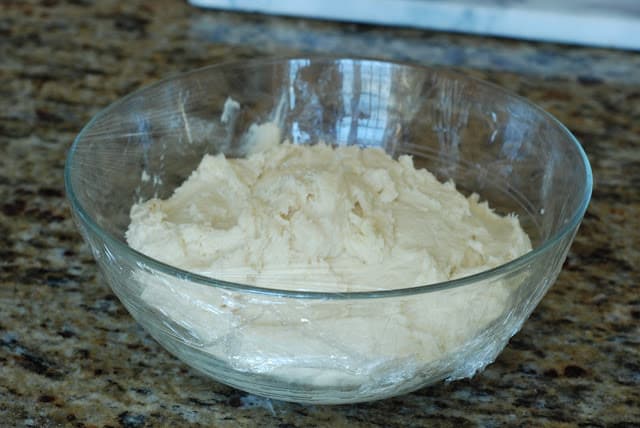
[148, 263]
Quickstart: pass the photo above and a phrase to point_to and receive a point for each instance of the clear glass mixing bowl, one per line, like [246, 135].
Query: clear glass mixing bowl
[331, 347]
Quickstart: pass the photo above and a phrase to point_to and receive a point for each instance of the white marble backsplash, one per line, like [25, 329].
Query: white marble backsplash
[607, 23]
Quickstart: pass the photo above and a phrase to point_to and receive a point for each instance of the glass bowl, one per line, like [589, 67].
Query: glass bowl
[315, 347]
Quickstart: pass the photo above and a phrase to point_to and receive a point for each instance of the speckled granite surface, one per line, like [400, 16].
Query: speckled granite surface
[71, 355]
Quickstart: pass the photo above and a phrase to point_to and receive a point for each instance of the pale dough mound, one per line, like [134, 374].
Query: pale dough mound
[328, 219]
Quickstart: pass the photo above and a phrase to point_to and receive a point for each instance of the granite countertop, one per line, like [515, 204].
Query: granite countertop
[71, 355]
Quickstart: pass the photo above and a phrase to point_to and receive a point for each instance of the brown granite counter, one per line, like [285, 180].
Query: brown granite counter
[71, 355]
